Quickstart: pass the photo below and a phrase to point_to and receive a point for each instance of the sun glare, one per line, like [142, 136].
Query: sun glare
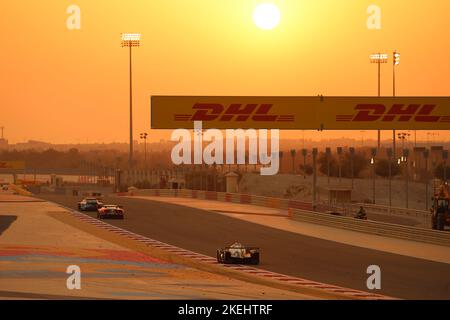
[267, 16]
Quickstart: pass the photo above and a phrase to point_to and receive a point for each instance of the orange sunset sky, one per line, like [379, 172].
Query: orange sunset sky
[70, 86]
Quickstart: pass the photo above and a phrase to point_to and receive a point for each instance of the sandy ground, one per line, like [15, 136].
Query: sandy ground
[296, 187]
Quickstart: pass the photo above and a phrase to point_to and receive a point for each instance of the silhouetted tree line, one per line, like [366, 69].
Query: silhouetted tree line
[345, 161]
[75, 159]
[161, 159]
[382, 168]
[45, 159]
[442, 172]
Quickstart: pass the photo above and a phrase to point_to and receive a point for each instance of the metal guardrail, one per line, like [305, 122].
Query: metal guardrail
[352, 208]
[374, 227]
[391, 210]
[298, 211]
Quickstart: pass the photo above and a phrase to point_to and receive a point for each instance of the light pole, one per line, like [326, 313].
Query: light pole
[396, 62]
[372, 162]
[426, 155]
[339, 152]
[144, 137]
[405, 160]
[379, 58]
[390, 153]
[328, 154]
[315, 152]
[352, 165]
[131, 40]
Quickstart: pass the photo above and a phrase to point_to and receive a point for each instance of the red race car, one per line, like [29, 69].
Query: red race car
[111, 212]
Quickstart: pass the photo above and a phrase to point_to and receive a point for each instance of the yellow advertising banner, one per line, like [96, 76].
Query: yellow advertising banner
[308, 113]
[16, 165]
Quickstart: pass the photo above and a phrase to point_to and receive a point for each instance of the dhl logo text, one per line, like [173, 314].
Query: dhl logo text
[396, 113]
[235, 112]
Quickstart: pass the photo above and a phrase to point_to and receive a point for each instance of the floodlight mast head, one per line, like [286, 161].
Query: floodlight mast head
[379, 58]
[396, 58]
[131, 39]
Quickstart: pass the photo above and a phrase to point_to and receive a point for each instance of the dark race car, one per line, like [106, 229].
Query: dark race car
[111, 212]
[238, 254]
[89, 204]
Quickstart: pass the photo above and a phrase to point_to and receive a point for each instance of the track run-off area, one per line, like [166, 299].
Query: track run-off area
[283, 252]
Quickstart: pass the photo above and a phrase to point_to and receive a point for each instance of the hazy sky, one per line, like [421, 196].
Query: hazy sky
[64, 85]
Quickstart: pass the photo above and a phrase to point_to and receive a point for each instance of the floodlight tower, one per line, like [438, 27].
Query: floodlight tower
[144, 137]
[379, 58]
[396, 62]
[131, 40]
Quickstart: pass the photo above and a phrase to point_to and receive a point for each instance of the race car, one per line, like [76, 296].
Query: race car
[90, 204]
[110, 212]
[238, 254]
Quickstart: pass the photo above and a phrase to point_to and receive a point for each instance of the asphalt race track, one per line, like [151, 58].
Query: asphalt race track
[281, 251]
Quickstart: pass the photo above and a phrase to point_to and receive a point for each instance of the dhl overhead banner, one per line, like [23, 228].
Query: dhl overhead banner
[309, 113]
[16, 165]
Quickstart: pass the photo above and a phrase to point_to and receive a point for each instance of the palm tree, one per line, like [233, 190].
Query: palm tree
[293, 154]
[304, 153]
[281, 160]
[247, 161]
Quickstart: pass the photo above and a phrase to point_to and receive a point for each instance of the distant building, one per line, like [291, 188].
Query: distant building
[32, 144]
[3, 141]
[3, 144]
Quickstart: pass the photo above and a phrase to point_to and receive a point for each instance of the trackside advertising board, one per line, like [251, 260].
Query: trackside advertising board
[309, 113]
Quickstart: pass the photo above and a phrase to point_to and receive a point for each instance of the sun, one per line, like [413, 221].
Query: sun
[267, 16]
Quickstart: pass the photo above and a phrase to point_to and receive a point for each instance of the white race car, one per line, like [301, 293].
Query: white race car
[238, 254]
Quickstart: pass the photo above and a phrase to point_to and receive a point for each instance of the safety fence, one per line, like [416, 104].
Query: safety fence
[374, 227]
[391, 210]
[421, 217]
